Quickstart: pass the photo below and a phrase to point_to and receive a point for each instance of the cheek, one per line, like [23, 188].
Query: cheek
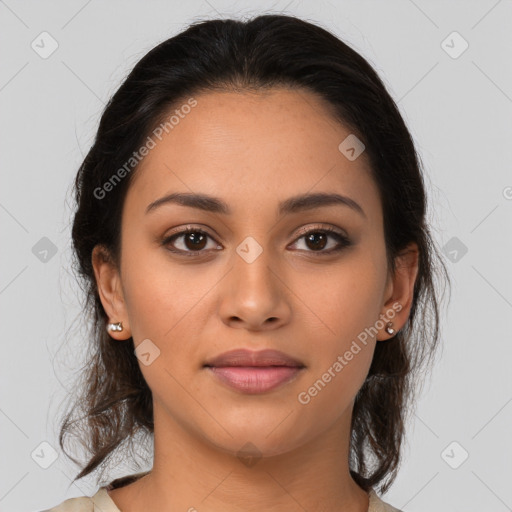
[153, 292]
[348, 306]
[349, 300]
[340, 361]
[166, 302]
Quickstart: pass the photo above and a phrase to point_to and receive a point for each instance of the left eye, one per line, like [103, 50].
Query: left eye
[194, 240]
[318, 238]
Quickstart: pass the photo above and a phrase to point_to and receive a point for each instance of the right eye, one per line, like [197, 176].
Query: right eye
[193, 241]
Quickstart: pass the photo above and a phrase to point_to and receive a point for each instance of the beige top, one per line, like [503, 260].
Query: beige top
[102, 502]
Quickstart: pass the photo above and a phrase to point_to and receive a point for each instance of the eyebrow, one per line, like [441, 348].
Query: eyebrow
[291, 205]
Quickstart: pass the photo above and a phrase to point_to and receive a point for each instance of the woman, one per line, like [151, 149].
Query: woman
[251, 233]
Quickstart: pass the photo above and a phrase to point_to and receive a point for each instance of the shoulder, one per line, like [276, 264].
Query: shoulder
[377, 505]
[82, 504]
[101, 501]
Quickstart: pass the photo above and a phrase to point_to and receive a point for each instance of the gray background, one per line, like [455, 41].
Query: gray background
[458, 108]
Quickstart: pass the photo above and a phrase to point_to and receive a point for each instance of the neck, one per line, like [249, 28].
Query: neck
[191, 474]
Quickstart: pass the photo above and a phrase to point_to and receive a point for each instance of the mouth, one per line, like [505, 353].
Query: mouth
[254, 372]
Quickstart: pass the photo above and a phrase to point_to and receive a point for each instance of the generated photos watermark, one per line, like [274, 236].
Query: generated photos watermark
[150, 143]
[304, 397]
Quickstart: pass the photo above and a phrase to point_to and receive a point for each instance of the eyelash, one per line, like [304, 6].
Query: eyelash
[342, 240]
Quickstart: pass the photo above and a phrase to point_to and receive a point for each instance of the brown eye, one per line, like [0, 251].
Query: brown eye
[189, 240]
[194, 240]
[317, 239]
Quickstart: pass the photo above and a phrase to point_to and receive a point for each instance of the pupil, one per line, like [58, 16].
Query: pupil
[314, 236]
[196, 239]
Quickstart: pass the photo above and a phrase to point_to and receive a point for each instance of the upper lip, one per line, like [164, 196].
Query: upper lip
[244, 357]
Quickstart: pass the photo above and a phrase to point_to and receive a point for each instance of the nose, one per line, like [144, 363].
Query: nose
[254, 295]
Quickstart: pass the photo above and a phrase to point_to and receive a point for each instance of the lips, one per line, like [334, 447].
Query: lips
[254, 372]
[243, 357]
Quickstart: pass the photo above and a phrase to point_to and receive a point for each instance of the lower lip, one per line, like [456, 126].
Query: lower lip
[255, 379]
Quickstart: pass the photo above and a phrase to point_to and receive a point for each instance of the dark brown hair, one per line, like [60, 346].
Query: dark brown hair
[115, 402]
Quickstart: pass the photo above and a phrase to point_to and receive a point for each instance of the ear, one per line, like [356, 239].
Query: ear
[400, 291]
[108, 281]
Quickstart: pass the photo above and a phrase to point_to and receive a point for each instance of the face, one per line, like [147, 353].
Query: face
[265, 273]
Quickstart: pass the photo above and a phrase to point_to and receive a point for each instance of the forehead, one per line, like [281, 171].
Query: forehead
[253, 148]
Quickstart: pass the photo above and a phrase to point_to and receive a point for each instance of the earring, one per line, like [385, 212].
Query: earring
[389, 328]
[118, 327]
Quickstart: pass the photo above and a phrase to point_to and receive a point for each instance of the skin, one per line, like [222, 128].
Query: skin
[252, 150]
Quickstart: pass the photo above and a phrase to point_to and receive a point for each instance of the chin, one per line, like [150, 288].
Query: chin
[259, 438]
[255, 447]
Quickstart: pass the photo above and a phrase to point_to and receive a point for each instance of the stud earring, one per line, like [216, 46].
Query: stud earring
[118, 327]
[389, 328]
